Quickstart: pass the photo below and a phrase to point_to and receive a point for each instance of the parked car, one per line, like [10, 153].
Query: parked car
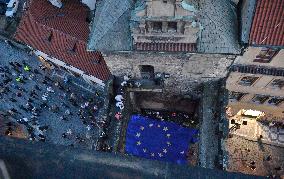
[12, 7]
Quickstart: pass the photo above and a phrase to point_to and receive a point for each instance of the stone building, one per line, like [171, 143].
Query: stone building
[175, 74]
[169, 25]
[172, 41]
[256, 81]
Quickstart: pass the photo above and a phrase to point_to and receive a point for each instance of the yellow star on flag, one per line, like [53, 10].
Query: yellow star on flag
[138, 143]
[165, 129]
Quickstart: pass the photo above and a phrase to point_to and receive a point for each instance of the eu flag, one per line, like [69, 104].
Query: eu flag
[158, 140]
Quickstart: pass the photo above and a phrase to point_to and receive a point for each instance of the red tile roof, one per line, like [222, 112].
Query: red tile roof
[169, 47]
[66, 26]
[268, 23]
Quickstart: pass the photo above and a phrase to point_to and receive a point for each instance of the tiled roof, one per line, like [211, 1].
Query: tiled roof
[169, 47]
[66, 27]
[268, 23]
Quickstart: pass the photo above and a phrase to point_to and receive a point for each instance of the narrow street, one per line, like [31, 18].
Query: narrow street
[209, 138]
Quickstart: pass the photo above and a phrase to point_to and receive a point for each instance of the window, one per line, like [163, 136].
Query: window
[147, 71]
[50, 36]
[278, 83]
[74, 48]
[172, 26]
[260, 99]
[236, 95]
[275, 101]
[266, 55]
[96, 61]
[157, 26]
[248, 80]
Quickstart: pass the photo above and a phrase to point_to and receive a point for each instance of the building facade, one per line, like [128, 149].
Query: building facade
[164, 25]
[175, 74]
[256, 82]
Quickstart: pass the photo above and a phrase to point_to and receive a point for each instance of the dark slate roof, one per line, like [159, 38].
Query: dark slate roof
[268, 23]
[218, 18]
[41, 19]
[25, 159]
[220, 27]
[247, 13]
[110, 29]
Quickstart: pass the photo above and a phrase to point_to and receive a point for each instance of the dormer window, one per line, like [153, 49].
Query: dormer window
[96, 61]
[260, 99]
[157, 26]
[277, 83]
[276, 101]
[248, 80]
[50, 36]
[266, 55]
[74, 48]
[236, 96]
[172, 26]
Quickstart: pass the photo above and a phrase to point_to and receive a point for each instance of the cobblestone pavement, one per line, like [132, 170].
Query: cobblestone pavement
[58, 112]
[254, 129]
[256, 158]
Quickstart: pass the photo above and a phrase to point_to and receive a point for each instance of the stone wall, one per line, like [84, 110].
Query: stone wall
[187, 71]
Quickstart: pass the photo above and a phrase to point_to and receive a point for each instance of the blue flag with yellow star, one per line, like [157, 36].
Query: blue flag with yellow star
[158, 140]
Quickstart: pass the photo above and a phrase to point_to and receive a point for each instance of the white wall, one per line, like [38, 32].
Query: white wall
[90, 3]
[61, 63]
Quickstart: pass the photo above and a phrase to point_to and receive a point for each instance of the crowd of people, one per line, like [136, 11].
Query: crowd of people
[46, 104]
[181, 118]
